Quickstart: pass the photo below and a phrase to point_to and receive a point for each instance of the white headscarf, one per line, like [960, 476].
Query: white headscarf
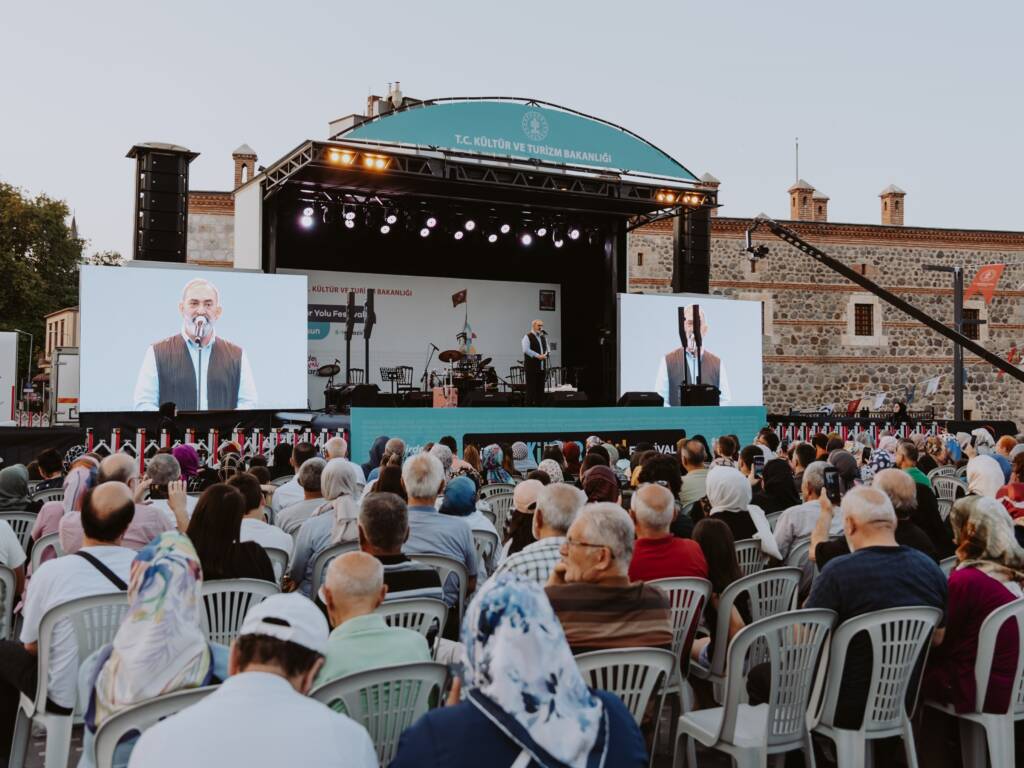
[444, 455]
[728, 490]
[340, 486]
[984, 476]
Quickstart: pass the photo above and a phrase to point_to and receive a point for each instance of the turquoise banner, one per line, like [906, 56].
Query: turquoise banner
[418, 426]
[521, 130]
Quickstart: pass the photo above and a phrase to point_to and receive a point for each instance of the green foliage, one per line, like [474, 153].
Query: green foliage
[105, 259]
[38, 261]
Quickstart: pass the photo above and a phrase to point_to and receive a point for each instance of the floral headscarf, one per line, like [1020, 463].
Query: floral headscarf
[160, 647]
[985, 538]
[550, 468]
[14, 488]
[522, 676]
[340, 485]
[444, 455]
[491, 459]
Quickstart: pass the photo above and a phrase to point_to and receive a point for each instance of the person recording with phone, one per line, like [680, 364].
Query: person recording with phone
[195, 368]
[535, 356]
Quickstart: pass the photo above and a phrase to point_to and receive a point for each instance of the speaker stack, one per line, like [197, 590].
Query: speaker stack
[161, 202]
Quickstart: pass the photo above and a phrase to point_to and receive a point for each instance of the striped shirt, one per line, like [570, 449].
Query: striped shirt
[600, 616]
[534, 561]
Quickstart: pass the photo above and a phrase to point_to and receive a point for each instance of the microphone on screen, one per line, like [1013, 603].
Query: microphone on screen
[200, 323]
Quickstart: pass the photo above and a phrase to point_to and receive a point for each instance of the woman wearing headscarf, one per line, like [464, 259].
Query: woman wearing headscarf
[778, 492]
[80, 478]
[571, 453]
[601, 484]
[376, 454]
[492, 459]
[984, 476]
[550, 468]
[526, 702]
[460, 501]
[188, 460]
[989, 573]
[159, 648]
[444, 455]
[729, 495]
[846, 466]
[337, 521]
[507, 462]
[521, 458]
[613, 462]
[14, 490]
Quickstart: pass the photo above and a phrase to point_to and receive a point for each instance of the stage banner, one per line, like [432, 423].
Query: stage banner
[8, 376]
[416, 314]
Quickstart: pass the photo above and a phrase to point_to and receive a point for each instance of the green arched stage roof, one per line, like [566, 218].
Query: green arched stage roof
[520, 129]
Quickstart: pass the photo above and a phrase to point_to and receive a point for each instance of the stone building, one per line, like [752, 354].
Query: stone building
[825, 340]
[211, 216]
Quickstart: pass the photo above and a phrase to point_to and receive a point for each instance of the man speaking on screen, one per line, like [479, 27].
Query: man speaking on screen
[194, 368]
[680, 365]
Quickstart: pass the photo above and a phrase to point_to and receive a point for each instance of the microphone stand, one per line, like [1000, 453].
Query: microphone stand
[426, 367]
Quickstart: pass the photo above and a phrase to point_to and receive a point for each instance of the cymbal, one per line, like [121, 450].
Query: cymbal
[450, 356]
[485, 362]
[331, 369]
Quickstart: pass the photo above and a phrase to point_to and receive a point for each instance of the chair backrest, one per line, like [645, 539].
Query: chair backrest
[632, 674]
[225, 603]
[517, 376]
[445, 565]
[386, 701]
[799, 553]
[356, 376]
[987, 637]
[769, 592]
[278, 559]
[283, 480]
[50, 494]
[944, 471]
[947, 564]
[898, 636]
[50, 540]
[794, 642]
[961, 472]
[945, 487]
[687, 597]
[21, 523]
[322, 560]
[750, 556]
[140, 717]
[416, 613]
[773, 518]
[8, 598]
[501, 506]
[486, 544]
[95, 620]
[490, 489]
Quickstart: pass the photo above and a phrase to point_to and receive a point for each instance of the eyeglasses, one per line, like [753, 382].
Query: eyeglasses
[570, 543]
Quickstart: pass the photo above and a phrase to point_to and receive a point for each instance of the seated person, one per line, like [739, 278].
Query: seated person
[383, 530]
[291, 518]
[291, 492]
[657, 554]
[554, 510]
[51, 470]
[216, 529]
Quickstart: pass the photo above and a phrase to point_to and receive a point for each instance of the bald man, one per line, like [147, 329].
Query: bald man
[535, 354]
[353, 589]
[102, 565]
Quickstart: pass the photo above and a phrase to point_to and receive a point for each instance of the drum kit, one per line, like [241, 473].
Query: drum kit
[464, 372]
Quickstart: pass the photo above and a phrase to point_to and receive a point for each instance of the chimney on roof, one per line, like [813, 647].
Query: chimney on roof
[245, 164]
[892, 205]
[800, 201]
[710, 182]
[819, 202]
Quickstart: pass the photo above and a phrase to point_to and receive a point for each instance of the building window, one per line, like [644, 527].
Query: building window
[804, 200]
[819, 210]
[863, 320]
[896, 204]
[640, 258]
[972, 330]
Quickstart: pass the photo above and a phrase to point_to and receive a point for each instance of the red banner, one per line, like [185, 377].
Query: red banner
[985, 281]
[459, 298]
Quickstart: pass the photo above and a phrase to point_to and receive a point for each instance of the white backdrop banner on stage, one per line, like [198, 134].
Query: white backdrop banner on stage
[652, 356]
[414, 312]
[134, 352]
[8, 375]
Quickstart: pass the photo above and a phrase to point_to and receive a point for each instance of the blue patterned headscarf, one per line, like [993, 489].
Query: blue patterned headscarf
[491, 458]
[522, 676]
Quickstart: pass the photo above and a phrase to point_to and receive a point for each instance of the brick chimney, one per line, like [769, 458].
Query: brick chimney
[800, 207]
[245, 164]
[710, 182]
[819, 201]
[892, 205]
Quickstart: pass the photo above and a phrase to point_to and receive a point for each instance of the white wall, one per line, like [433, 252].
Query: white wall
[249, 225]
[8, 374]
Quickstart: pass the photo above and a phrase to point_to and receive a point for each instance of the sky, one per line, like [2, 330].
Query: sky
[924, 95]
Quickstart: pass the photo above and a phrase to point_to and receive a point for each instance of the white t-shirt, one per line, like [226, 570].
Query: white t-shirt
[265, 535]
[165, 507]
[219, 731]
[11, 553]
[55, 583]
[286, 495]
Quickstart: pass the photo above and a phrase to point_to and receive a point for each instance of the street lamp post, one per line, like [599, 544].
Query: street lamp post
[28, 367]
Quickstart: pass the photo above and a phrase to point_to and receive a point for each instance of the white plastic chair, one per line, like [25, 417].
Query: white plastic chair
[899, 637]
[278, 559]
[419, 614]
[445, 565]
[95, 620]
[140, 717]
[9, 598]
[769, 592]
[750, 556]
[980, 729]
[486, 544]
[41, 545]
[490, 489]
[279, 481]
[322, 560]
[21, 523]
[225, 603]
[799, 553]
[943, 471]
[501, 508]
[749, 733]
[947, 564]
[632, 674]
[386, 701]
[961, 473]
[945, 488]
[50, 494]
[687, 597]
[773, 518]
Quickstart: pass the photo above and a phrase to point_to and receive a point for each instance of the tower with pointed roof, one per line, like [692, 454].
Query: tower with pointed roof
[892, 205]
[245, 164]
[819, 201]
[801, 201]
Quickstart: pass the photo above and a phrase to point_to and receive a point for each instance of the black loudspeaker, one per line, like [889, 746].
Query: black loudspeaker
[566, 399]
[634, 399]
[478, 398]
[699, 394]
[416, 398]
[161, 202]
[365, 395]
[692, 264]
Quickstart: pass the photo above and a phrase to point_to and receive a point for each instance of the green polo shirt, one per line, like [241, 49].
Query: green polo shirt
[367, 642]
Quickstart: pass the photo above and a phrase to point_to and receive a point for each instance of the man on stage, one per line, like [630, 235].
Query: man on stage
[194, 368]
[535, 353]
[680, 365]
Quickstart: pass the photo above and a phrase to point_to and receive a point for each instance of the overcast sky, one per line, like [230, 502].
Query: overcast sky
[926, 95]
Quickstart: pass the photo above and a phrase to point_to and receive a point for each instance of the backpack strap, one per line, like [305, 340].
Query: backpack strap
[112, 577]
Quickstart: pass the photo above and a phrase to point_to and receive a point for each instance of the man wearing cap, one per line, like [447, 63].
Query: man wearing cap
[274, 660]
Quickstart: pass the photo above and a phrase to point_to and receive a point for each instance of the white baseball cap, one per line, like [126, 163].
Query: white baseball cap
[290, 617]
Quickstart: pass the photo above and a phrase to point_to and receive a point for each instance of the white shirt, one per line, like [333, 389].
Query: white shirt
[265, 535]
[286, 495]
[661, 380]
[165, 507]
[55, 583]
[147, 385]
[543, 345]
[11, 553]
[798, 523]
[224, 730]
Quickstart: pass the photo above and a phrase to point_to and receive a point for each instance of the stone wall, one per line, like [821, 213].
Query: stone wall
[211, 239]
[650, 260]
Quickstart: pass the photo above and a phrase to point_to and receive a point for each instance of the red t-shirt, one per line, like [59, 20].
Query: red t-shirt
[665, 558]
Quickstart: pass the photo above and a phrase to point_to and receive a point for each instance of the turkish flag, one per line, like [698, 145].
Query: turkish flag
[985, 281]
[852, 406]
[459, 298]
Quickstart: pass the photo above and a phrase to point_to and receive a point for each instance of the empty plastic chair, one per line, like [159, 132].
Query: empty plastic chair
[226, 601]
[750, 556]
[501, 508]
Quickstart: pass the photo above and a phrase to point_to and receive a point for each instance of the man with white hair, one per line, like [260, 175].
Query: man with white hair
[657, 554]
[878, 574]
[162, 470]
[680, 365]
[430, 532]
[797, 523]
[590, 589]
[195, 369]
[337, 448]
[555, 509]
[353, 589]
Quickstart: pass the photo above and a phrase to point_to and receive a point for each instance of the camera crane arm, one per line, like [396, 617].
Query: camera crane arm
[789, 236]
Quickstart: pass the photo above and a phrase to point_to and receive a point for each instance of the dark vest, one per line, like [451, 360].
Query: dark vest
[675, 364]
[534, 342]
[176, 375]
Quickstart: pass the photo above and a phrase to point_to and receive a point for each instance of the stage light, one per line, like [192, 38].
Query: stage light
[470, 225]
[368, 161]
[492, 238]
[574, 234]
[526, 238]
[424, 232]
[306, 221]
[458, 234]
[379, 163]
[542, 231]
[307, 211]
[345, 158]
[391, 218]
[350, 223]
[505, 229]
[431, 222]
[384, 229]
[559, 243]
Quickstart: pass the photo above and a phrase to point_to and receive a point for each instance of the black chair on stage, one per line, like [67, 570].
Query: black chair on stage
[517, 378]
[356, 376]
[554, 377]
[399, 376]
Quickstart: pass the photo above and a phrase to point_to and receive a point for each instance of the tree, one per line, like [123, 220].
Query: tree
[105, 259]
[38, 261]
